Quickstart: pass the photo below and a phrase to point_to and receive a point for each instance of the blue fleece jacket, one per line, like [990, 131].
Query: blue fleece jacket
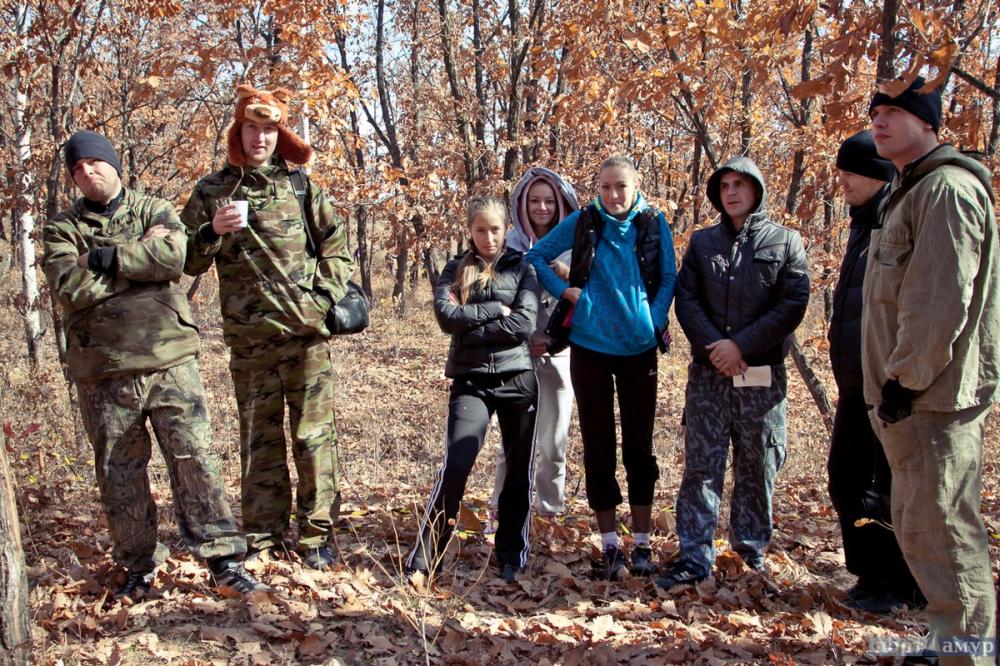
[614, 314]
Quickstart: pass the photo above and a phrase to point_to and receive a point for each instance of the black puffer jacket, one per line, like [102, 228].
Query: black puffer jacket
[845, 322]
[483, 340]
[751, 287]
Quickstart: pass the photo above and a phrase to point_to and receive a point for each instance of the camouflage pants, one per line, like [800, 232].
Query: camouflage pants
[754, 419]
[267, 376]
[114, 413]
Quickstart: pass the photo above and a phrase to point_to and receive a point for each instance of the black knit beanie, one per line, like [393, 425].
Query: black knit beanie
[858, 155]
[926, 106]
[86, 144]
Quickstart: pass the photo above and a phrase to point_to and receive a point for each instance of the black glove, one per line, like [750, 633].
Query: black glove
[896, 402]
[102, 259]
[207, 233]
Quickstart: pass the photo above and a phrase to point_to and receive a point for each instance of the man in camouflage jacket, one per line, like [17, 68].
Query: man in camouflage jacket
[275, 290]
[114, 260]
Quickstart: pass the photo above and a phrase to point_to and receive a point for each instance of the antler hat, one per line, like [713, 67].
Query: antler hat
[268, 108]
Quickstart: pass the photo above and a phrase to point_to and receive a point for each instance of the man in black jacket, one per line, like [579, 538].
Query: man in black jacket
[742, 289]
[860, 478]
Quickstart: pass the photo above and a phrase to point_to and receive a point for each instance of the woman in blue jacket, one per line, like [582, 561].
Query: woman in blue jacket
[619, 316]
[487, 300]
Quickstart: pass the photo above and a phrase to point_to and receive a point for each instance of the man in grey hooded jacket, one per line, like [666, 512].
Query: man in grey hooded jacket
[742, 290]
[931, 358]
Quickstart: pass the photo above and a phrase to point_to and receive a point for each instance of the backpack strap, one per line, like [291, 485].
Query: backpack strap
[299, 187]
[586, 236]
[647, 249]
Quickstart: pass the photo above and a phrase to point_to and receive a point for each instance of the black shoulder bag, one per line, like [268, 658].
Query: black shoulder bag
[350, 313]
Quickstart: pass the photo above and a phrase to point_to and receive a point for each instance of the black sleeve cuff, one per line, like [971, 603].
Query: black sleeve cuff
[102, 259]
[207, 233]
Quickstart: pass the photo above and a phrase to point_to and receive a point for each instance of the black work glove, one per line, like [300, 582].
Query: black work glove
[207, 233]
[896, 402]
[102, 259]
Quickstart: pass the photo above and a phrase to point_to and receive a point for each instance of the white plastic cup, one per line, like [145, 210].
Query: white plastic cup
[244, 209]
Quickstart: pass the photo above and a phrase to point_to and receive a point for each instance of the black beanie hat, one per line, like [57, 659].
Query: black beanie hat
[87, 144]
[858, 155]
[926, 106]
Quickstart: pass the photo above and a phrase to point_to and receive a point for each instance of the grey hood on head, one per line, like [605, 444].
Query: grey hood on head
[747, 167]
[521, 237]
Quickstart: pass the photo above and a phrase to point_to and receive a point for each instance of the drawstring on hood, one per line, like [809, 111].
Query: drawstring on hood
[746, 167]
[522, 236]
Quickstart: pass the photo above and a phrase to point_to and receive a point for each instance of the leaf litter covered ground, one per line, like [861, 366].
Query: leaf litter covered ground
[391, 406]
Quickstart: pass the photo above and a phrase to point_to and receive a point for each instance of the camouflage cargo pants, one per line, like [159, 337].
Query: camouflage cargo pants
[267, 376]
[936, 460]
[754, 419]
[114, 413]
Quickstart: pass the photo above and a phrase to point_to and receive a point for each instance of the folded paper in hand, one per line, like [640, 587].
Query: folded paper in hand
[755, 375]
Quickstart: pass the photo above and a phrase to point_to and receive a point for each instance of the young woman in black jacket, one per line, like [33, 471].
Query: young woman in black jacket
[487, 300]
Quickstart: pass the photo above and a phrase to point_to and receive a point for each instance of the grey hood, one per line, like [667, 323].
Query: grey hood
[521, 237]
[747, 167]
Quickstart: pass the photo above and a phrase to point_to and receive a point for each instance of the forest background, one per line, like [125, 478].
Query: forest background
[413, 105]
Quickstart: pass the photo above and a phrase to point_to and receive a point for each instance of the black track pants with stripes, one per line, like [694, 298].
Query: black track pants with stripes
[473, 401]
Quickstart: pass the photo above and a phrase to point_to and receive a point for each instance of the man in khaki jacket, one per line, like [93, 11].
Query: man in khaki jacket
[931, 358]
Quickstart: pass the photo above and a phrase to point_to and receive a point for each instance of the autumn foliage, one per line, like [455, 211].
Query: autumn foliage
[411, 105]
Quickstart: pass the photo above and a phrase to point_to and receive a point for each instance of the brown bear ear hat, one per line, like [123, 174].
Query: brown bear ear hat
[265, 107]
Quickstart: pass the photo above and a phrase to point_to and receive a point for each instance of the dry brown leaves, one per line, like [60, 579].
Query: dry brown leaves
[391, 405]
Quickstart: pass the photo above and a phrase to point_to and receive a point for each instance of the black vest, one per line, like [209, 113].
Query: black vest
[647, 247]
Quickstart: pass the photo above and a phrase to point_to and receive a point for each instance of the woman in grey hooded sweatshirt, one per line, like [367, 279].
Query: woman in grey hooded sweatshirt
[542, 199]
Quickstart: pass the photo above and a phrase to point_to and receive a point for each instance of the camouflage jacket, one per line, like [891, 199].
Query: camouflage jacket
[135, 317]
[271, 286]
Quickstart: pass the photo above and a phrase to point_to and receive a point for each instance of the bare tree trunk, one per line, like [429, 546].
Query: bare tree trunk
[746, 98]
[991, 145]
[432, 267]
[402, 261]
[813, 383]
[696, 182]
[887, 54]
[25, 225]
[458, 97]
[803, 116]
[555, 132]
[828, 248]
[358, 162]
[15, 629]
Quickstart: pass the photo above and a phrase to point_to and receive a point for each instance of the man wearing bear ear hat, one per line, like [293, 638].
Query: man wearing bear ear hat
[275, 289]
[114, 259]
[931, 359]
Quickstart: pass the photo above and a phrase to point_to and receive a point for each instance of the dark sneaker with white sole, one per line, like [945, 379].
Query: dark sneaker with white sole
[680, 573]
[230, 574]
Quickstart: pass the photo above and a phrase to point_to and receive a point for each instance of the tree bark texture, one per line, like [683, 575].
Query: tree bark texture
[15, 630]
[813, 383]
[887, 54]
